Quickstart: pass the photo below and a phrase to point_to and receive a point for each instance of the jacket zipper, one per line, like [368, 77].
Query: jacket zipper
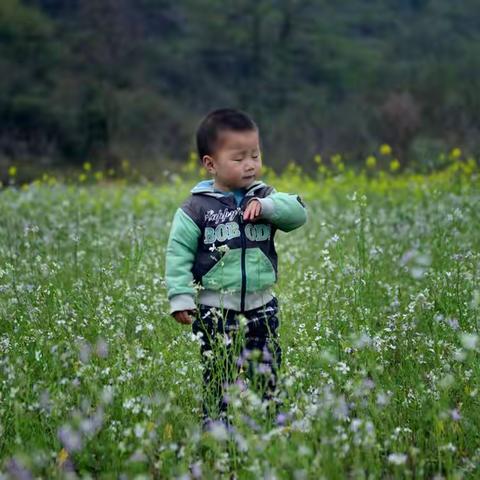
[244, 279]
[242, 237]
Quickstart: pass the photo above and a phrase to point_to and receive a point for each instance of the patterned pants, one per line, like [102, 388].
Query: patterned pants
[224, 355]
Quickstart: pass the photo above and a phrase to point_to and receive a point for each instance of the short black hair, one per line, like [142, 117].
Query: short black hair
[219, 120]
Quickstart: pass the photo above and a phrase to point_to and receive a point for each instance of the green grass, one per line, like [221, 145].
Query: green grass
[379, 307]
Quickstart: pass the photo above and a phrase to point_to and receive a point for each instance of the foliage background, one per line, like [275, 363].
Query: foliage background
[123, 79]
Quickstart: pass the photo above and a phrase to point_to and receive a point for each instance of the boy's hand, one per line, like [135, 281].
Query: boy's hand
[253, 210]
[183, 316]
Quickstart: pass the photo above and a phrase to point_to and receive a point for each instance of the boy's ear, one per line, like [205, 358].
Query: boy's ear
[207, 162]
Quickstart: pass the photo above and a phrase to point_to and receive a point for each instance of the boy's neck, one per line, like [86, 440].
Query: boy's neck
[222, 188]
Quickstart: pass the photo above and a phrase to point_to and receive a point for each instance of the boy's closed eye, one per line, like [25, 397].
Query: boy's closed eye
[241, 156]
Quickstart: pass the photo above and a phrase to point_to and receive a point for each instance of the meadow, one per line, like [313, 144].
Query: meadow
[379, 300]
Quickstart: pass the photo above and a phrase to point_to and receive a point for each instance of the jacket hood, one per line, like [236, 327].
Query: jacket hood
[206, 187]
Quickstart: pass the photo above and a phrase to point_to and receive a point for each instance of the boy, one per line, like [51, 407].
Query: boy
[222, 237]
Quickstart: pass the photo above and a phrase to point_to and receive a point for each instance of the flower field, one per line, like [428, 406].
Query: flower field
[379, 297]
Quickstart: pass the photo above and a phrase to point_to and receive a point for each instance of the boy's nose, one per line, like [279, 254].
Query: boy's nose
[250, 168]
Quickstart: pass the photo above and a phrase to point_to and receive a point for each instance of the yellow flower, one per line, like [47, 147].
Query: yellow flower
[371, 161]
[192, 165]
[62, 457]
[12, 171]
[317, 158]
[203, 172]
[336, 159]
[293, 170]
[87, 166]
[385, 149]
[150, 426]
[98, 176]
[394, 165]
[167, 432]
[456, 153]
[82, 177]
[471, 163]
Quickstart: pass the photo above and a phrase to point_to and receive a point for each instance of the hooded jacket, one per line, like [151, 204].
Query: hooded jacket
[234, 260]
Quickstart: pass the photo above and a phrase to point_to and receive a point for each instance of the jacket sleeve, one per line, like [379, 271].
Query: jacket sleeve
[284, 210]
[180, 255]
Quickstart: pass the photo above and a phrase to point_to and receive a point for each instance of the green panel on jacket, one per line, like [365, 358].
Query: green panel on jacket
[259, 270]
[227, 272]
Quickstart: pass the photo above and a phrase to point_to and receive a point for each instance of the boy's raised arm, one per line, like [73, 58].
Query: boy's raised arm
[285, 210]
[180, 254]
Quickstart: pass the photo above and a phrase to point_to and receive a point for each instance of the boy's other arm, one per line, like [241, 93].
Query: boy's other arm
[285, 210]
[180, 255]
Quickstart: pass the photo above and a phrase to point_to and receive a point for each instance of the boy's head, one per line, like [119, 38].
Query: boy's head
[228, 146]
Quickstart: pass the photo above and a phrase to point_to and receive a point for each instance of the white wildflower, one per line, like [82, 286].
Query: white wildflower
[469, 340]
[397, 458]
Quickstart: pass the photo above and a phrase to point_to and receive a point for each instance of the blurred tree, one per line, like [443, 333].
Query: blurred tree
[29, 124]
[124, 77]
[400, 122]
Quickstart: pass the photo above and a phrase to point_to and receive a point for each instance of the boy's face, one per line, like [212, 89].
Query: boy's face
[236, 161]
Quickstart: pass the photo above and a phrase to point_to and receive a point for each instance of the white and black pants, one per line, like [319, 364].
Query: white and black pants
[257, 352]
